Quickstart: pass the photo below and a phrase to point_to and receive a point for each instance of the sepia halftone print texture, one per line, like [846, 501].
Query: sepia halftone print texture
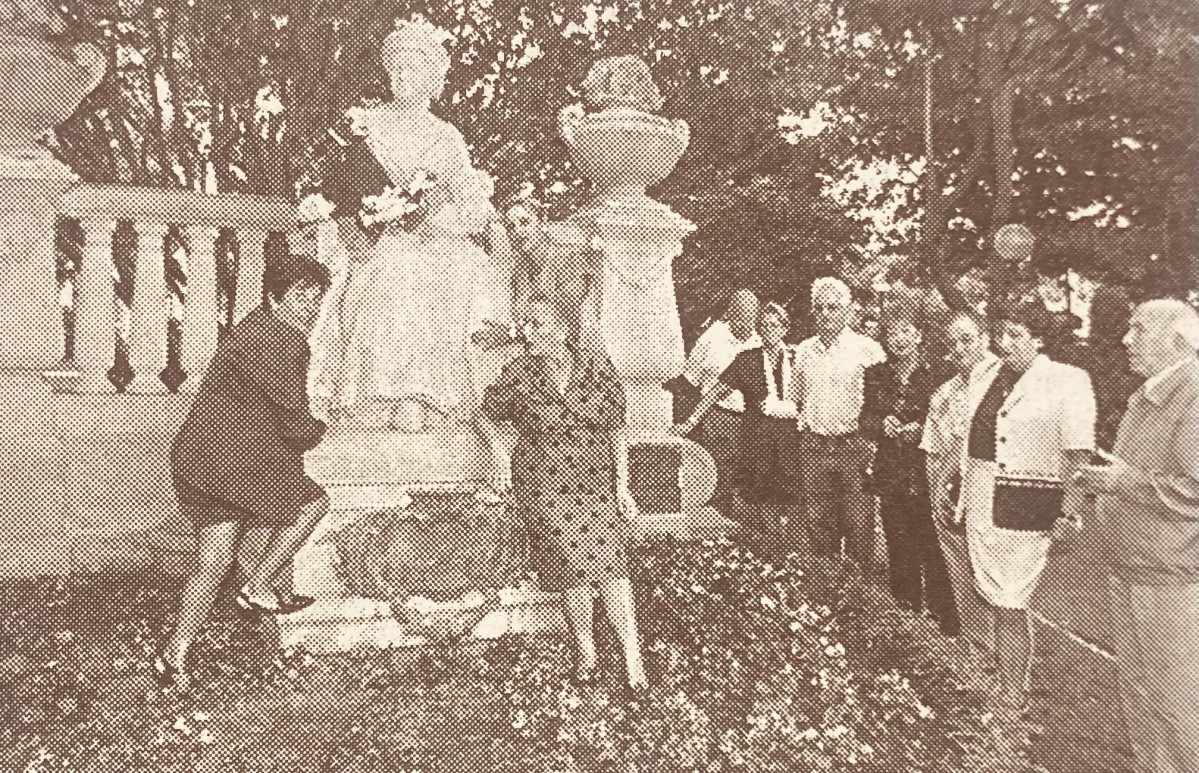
[542, 386]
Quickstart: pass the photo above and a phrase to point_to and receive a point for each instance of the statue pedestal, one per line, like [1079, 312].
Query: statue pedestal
[38, 89]
[373, 476]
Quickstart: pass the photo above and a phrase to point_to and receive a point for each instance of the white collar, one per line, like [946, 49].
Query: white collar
[989, 361]
[837, 339]
[768, 370]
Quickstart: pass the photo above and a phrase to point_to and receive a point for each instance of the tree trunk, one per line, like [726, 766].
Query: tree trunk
[1002, 97]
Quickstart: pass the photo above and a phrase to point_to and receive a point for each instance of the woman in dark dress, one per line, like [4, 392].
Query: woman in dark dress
[238, 460]
[897, 394]
[569, 473]
[769, 478]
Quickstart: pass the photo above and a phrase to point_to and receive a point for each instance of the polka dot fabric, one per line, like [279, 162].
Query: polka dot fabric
[563, 469]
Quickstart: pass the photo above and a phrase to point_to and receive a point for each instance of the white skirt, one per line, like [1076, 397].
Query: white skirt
[1007, 564]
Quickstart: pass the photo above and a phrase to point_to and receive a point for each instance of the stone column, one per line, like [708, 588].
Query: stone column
[95, 321]
[639, 316]
[149, 312]
[250, 265]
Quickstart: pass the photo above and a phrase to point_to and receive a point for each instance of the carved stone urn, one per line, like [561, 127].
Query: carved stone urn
[622, 147]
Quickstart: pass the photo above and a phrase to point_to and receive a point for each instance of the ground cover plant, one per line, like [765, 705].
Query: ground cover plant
[755, 667]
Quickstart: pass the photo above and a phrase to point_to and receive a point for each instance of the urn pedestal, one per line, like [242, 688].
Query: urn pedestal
[622, 151]
[40, 86]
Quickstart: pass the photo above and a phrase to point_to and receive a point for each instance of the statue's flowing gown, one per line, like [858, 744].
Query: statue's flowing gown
[397, 325]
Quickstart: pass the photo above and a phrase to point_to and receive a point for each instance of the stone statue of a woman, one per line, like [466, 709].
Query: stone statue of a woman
[394, 348]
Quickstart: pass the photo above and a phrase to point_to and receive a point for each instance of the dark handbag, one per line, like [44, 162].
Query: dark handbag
[1026, 504]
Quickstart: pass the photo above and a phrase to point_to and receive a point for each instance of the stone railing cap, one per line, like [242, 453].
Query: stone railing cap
[175, 205]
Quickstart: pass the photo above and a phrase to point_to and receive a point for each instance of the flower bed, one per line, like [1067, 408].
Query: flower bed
[754, 668]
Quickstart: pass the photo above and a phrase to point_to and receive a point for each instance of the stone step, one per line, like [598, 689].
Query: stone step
[339, 625]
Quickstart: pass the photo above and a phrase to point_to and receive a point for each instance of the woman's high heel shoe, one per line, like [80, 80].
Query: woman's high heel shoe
[251, 608]
[294, 602]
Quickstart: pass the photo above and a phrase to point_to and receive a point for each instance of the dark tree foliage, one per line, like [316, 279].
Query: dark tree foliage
[1099, 101]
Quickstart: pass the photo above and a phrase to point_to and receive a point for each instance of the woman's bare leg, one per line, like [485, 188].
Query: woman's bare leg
[1013, 650]
[215, 554]
[622, 613]
[282, 548]
[580, 613]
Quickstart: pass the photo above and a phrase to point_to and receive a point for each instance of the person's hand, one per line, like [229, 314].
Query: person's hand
[1102, 478]
[625, 502]
[891, 426]
[779, 409]
[1064, 530]
[910, 433]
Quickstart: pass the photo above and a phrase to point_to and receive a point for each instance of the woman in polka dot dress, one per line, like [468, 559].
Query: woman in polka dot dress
[569, 473]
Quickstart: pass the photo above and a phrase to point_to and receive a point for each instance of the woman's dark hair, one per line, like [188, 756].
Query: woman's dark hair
[772, 309]
[1033, 315]
[292, 271]
[1111, 309]
[902, 312]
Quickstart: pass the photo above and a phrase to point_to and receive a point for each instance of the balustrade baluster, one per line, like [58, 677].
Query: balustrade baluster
[201, 309]
[94, 330]
[68, 247]
[250, 267]
[149, 311]
[124, 258]
[227, 255]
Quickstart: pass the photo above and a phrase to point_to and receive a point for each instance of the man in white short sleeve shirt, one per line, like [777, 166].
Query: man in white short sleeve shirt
[831, 365]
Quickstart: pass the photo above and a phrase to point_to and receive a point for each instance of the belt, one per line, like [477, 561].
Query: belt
[830, 440]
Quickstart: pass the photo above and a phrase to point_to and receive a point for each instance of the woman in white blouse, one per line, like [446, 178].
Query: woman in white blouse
[1032, 423]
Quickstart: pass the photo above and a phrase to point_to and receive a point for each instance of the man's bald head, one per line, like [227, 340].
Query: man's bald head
[1160, 333]
[742, 315]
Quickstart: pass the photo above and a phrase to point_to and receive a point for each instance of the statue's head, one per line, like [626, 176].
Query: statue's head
[416, 61]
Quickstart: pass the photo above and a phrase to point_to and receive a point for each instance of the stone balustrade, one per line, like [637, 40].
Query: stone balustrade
[149, 279]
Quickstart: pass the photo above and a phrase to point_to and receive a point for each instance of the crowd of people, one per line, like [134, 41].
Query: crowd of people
[989, 451]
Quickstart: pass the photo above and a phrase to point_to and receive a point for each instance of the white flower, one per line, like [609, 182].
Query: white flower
[314, 208]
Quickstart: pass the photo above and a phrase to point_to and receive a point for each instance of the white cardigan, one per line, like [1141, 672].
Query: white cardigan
[1050, 410]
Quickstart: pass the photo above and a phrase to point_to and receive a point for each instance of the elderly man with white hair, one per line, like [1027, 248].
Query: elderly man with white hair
[1149, 512]
[832, 366]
